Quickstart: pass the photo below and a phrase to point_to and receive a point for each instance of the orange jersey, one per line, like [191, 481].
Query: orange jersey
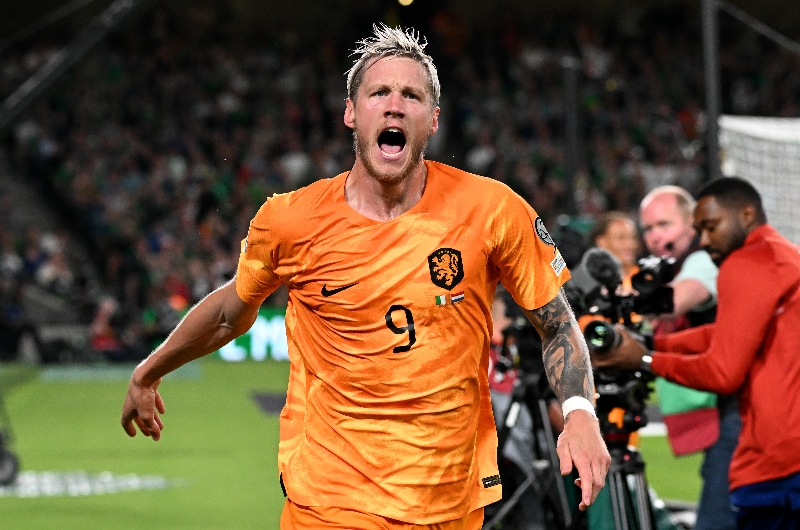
[389, 328]
[296, 517]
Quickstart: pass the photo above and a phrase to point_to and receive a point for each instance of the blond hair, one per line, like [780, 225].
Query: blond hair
[393, 42]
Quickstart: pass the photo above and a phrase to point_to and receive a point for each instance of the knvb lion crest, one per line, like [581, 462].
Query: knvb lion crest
[447, 269]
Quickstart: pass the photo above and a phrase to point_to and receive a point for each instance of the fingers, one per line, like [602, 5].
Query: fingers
[155, 430]
[129, 428]
[128, 414]
[582, 506]
[586, 483]
[581, 446]
[149, 427]
[160, 403]
[592, 481]
[564, 456]
[598, 481]
[141, 409]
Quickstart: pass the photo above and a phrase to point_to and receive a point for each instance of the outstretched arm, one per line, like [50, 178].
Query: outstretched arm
[213, 322]
[566, 361]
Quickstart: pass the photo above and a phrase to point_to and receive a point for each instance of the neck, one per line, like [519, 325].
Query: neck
[380, 200]
[754, 225]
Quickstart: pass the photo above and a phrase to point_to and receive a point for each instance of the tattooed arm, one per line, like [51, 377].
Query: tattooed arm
[566, 357]
[566, 361]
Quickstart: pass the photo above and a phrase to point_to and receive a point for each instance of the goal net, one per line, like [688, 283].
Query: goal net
[766, 152]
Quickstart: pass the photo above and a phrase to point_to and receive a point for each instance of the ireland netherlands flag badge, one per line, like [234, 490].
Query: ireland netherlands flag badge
[445, 299]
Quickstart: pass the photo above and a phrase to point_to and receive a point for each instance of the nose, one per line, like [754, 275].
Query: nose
[394, 106]
[704, 240]
[652, 241]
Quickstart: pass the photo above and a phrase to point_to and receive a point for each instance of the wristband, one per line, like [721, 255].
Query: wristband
[646, 363]
[575, 403]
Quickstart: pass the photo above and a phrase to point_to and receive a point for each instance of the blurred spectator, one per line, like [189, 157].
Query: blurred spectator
[617, 233]
[163, 144]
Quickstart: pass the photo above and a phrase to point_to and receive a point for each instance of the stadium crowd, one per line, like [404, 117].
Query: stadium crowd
[161, 147]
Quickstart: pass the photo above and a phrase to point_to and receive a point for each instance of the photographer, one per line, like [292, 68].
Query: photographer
[750, 350]
[666, 220]
[693, 422]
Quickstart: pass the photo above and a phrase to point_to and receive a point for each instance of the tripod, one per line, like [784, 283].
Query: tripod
[621, 411]
[544, 483]
[630, 500]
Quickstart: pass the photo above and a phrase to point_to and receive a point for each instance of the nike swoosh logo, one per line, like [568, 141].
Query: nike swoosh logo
[326, 292]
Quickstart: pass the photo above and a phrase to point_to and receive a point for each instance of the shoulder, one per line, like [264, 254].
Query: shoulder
[474, 198]
[769, 255]
[295, 204]
[487, 206]
[462, 183]
[699, 262]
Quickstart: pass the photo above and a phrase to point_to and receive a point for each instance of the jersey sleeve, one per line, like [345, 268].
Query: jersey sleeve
[255, 275]
[531, 267]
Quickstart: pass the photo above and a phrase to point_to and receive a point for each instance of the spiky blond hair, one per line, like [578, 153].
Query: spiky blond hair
[394, 42]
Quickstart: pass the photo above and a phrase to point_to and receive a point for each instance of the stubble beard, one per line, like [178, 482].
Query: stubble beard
[361, 147]
[736, 242]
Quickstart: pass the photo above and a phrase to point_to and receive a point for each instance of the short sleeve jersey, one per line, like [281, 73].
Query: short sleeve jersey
[699, 266]
[389, 325]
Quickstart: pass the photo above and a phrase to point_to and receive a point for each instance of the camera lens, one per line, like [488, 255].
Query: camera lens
[601, 336]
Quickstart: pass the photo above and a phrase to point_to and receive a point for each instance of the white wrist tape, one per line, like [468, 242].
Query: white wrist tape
[577, 403]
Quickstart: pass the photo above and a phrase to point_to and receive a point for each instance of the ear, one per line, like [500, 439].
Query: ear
[350, 113]
[748, 215]
[435, 121]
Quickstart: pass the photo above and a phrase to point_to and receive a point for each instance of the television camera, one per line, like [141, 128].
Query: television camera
[534, 493]
[621, 394]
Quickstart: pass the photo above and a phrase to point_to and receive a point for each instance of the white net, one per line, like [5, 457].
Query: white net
[766, 151]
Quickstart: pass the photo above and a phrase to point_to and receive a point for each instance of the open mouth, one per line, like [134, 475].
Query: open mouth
[392, 141]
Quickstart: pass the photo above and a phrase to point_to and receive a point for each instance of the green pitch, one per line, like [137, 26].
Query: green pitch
[673, 478]
[217, 447]
[215, 440]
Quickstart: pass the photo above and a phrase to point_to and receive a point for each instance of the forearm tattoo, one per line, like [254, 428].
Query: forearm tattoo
[566, 357]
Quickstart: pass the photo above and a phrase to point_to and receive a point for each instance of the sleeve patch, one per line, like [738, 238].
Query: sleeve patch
[492, 481]
[542, 232]
[558, 263]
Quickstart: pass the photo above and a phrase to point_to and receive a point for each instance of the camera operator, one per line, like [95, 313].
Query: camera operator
[666, 220]
[750, 350]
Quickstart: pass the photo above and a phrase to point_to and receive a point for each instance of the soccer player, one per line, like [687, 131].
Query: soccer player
[391, 269]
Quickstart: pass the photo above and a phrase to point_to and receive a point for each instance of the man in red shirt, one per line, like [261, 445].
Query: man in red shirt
[750, 350]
